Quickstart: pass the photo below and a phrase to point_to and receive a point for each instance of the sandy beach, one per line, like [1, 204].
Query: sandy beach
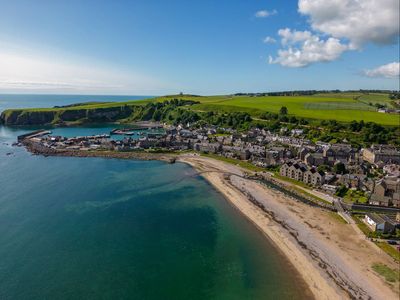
[333, 258]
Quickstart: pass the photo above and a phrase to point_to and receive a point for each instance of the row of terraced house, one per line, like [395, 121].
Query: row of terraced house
[301, 172]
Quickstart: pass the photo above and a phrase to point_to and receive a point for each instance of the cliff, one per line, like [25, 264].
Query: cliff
[97, 113]
[64, 115]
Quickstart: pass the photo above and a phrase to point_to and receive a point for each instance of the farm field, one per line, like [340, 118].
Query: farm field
[341, 107]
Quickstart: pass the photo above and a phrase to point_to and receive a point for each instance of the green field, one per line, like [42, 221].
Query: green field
[338, 107]
[342, 107]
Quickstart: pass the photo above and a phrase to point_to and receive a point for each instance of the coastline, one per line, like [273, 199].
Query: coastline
[330, 270]
[324, 258]
[36, 149]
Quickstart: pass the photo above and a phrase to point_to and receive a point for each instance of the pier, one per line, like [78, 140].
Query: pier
[142, 125]
[36, 133]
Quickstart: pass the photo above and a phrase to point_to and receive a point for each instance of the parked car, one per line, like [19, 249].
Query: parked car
[392, 242]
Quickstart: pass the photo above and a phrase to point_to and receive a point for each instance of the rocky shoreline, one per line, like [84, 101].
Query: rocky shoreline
[38, 149]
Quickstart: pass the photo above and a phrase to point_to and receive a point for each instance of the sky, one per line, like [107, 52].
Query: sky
[157, 47]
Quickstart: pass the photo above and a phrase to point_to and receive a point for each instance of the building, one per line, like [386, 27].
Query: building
[300, 172]
[236, 152]
[314, 177]
[314, 159]
[351, 180]
[380, 223]
[386, 192]
[339, 152]
[276, 155]
[381, 153]
[207, 147]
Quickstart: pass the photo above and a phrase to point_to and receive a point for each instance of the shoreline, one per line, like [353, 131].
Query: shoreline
[36, 149]
[322, 267]
[327, 276]
[242, 204]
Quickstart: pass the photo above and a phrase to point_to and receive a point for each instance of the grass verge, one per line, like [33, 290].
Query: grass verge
[290, 180]
[389, 250]
[337, 217]
[389, 274]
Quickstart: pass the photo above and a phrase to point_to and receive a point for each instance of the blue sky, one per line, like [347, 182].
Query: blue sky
[204, 47]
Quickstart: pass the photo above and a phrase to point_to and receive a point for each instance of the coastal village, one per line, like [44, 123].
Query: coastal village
[351, 179]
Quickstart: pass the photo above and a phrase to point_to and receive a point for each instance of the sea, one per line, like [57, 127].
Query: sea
[97, 228]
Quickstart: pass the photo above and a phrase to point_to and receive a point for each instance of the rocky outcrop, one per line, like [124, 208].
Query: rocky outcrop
[21, 117]
[60, 116]
[109, 112]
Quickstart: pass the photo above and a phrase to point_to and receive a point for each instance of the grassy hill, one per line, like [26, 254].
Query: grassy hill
[342, 107]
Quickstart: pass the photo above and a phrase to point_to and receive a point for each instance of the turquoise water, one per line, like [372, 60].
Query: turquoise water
[93, 228]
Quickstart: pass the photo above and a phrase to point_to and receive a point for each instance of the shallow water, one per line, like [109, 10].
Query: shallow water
[94, 228]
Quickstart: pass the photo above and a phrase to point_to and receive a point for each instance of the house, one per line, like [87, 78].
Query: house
[381, 153]
[314, 177]
[302, 153]
[386, 192]
[339, 152]
[272, 158]
[185, 133]
[329, 188]
[296, 132]
[299, 171]
[296, 171]
[392, 170]
[351, 180]
[207, 147]
[314, 159]
[236, 152]
[380, 222]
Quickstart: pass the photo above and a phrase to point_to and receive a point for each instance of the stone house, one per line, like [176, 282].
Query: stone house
[351, 180]
[314, 159]
[236, 152]
[300, 172]
[381, 153]
[272, 158]
[339, 152]
[208, 147]
[314, 177]
[302, 153]
[386, 192]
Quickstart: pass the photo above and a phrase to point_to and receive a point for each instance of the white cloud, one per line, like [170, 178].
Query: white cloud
[290, 37]
[26, 72]
[391, 70]
[265, 13]
[302, 48]
[344, 24]
[359, 21]
[269, 40]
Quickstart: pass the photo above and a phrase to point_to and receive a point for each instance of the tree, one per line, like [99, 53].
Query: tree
[341, 191]
[339, 168]
[323, 168]
[283, 110]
